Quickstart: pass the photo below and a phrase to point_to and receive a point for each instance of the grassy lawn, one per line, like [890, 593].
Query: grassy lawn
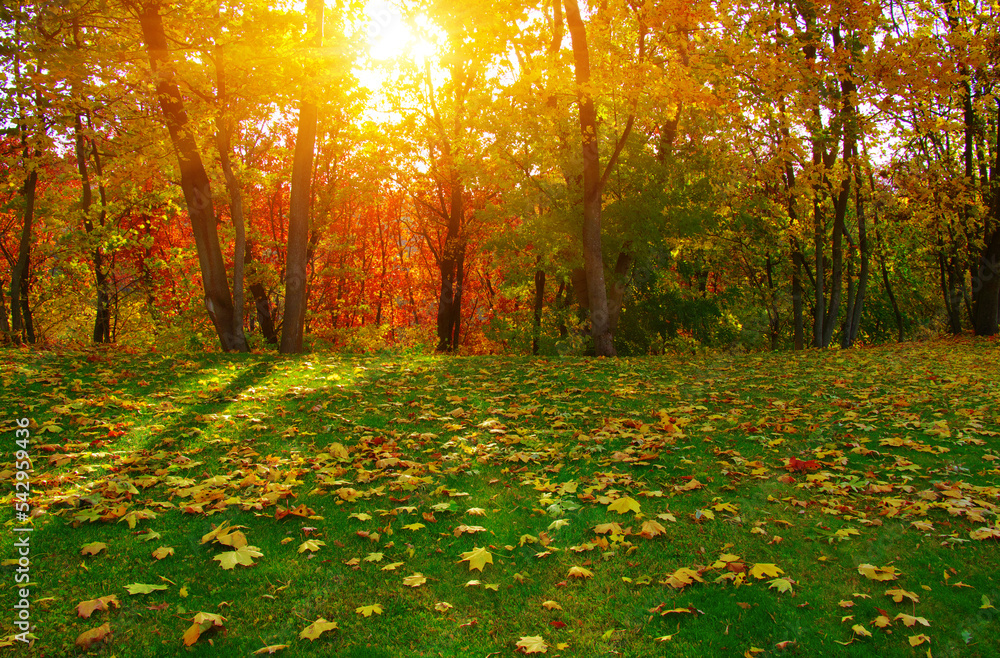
[685, 506]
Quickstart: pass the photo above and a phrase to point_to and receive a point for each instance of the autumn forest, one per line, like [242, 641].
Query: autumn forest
[612, 177]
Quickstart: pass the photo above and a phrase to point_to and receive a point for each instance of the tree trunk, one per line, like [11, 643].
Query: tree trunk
[819, 302]
[619, 285]
[20, 315]
[4, 319]
[194, 181]
[987, 301]
[223, 137]
[296, 288]
[773, 317]
[987, 307]
[539, 302]
[854, 313]
[451, 268]
[262, 305]
[593, 261]
[102, 315]
[797, 260]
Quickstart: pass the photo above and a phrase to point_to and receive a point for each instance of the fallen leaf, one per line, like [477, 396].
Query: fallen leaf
[94, 548]
[898, 594]
[139, 588]
[624, 505]
[765, 570]
[86, 608]
[477, 558]
[317, 628]
[532, 644]
[94, 635]
[311, 545]
[162, 552]
[416, 580]
[369, 610]
[274, 648]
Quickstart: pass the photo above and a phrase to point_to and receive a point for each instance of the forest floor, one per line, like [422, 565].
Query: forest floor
[816, 503]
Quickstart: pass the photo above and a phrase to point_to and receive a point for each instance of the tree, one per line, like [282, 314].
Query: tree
[195, 183]
[296, 292]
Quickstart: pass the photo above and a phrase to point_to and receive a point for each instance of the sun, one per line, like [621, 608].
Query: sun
[390, 36]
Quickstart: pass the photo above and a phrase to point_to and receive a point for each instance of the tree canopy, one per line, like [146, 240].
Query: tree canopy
[557, 177]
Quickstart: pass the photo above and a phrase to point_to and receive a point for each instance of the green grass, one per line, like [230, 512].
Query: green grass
[899, 434]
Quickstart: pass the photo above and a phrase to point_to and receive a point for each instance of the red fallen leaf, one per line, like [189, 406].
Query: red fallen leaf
[787, 479]
[795, 464]
[362, 533]
[157, 608]
[557, 624]
[561, 584]
[114, 434]
[469, 624]
[884, 613]
[403, 499]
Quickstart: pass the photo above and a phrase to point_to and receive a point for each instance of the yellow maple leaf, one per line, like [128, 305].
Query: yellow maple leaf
[580, 572]
[872, 572]
[243, 556]
[311, 545]
[917, 640]
[910, 621]
[317, 628]
[268, 650]
[682, 578]
[369, 610]
[477, 558]
[162, 552]
[94, 548]
[532, 644]
[416, 580]
[651, 529]
[765, 570]
[624, 505]
[551, 605]
[861, 630]
[882, 621]
[443, 606]
[605, 528]
[201, 623]
[898, 594]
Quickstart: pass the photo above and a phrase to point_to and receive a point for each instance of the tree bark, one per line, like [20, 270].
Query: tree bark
[797, 261]
[451, 267]
[619, 285]
[539, 302]
[854, 312]
[987, 301]
[102, 311]
[296, 288]
[223, 137]
[194, 180]
[593, 260]
[21, 326]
